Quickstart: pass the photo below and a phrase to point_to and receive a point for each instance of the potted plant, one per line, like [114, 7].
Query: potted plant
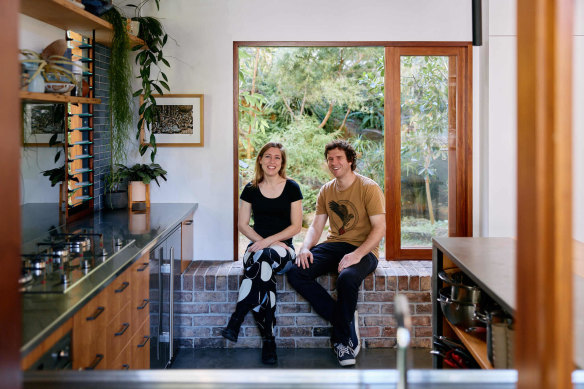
[116, 190]
[139, 177]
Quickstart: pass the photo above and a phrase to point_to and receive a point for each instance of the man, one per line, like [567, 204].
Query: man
[354, 204]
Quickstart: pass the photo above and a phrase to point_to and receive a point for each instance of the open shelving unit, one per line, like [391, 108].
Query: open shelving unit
[490, 263]
[67, 16]
[476, 346]
[77, 199]
[33, 97]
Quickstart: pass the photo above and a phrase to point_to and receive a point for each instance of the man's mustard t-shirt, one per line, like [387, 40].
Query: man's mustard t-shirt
[349, 210]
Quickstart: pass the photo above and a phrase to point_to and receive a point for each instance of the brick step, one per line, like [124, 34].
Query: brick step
[209, 291]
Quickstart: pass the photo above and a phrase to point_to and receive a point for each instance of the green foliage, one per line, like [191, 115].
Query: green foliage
[370, 156]
[150, 58]
[141, 172]
[120, 88]
[417, 232]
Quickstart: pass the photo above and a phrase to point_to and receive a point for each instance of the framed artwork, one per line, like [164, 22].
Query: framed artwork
[180, 123]
[41, 122]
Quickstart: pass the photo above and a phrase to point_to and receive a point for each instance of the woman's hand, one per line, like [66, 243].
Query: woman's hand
[260, 245]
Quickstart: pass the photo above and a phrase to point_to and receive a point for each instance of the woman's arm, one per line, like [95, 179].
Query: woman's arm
[286, 233]
[243, 222]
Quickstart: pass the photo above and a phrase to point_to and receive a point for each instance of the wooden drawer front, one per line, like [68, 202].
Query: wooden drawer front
[140, 277]
[119, 293]
[89, 326]
[119, 331]
[140, 347]
[124, 359]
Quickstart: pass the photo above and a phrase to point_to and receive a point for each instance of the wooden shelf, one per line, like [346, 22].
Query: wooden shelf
[476, 346]
[32, 97]
[67, 16]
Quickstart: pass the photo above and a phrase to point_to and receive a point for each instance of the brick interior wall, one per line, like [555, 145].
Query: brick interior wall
[209, 293]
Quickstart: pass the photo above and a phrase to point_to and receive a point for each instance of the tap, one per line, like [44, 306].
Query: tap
[404, 325]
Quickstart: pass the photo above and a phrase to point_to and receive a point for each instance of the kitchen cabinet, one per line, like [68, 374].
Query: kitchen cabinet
[103, 330]
[490, 263]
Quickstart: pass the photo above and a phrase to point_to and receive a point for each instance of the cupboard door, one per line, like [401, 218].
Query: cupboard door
[119, 331]
[119, 293]
[139, 278]
[140, 346]
[89, 324]
[123, 360]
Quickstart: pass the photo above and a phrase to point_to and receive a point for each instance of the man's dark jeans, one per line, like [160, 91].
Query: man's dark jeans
[326, 260]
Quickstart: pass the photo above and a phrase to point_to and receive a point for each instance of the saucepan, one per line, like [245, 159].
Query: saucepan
[462, 288]
[458, 313]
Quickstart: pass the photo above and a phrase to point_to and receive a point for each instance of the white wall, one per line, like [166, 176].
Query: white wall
[501, 164]
[203, 63]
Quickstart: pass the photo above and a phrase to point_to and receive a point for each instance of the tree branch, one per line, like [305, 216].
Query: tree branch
[286, 102]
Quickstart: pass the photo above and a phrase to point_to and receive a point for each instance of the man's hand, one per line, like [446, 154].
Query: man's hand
[349, 260]
[303, 258]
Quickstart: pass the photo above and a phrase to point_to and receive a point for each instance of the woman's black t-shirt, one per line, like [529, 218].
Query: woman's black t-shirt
[271, 215]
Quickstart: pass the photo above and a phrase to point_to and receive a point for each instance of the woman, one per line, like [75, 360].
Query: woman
[276, 204]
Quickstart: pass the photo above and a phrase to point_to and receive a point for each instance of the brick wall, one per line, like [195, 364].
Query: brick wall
[210, 289]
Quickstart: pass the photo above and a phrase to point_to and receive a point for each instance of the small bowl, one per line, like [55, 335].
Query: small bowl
[58, 87]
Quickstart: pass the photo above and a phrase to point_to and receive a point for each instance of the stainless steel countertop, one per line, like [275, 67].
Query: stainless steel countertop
[43, 313]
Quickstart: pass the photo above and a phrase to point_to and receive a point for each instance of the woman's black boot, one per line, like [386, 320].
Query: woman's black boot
[231, 332]
[269, 356]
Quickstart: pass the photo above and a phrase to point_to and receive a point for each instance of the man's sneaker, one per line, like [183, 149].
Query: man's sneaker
[345, 354]
[354, 339]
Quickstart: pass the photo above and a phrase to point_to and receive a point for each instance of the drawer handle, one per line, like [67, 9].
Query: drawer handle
[144, 303]
[96, 361]
[98, 312]
[125, 327]
[146, 339]
[188, 222]
[143, 266]
[125, 284]
[125, 366]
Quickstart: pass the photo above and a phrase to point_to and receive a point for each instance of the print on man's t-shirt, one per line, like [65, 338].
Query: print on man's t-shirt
[345, 215]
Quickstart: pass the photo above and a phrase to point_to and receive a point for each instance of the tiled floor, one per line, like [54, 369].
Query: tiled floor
[378, 358]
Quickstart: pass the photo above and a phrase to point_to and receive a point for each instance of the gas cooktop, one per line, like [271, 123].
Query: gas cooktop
[57, 262]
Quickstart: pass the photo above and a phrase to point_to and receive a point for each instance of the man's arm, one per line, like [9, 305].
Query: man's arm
[375, 235]
[310, 240]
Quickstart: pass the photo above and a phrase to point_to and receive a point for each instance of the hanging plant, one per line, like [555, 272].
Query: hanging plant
[120, 88]
[150, 58]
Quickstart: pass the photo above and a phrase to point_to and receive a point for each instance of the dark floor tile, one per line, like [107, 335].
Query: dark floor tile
[218, 358]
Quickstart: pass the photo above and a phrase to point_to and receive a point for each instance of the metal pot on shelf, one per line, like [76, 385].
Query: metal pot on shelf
[462, 288]
[458, 313]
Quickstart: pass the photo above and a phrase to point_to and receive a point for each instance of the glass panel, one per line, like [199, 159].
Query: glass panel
[424, 148]
[304, 97]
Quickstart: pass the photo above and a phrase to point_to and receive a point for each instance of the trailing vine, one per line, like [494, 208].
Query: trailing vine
[150, 57]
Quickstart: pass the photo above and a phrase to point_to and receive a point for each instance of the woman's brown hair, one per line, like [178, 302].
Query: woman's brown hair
[259, 173]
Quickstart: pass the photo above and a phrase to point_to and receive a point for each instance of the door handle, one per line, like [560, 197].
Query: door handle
[143, 266]
[171, 310]
[125, 326]
[188, 222]
[96, 361]
[146, 339]
[125, 284]
[144, 303]
[98, 312]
